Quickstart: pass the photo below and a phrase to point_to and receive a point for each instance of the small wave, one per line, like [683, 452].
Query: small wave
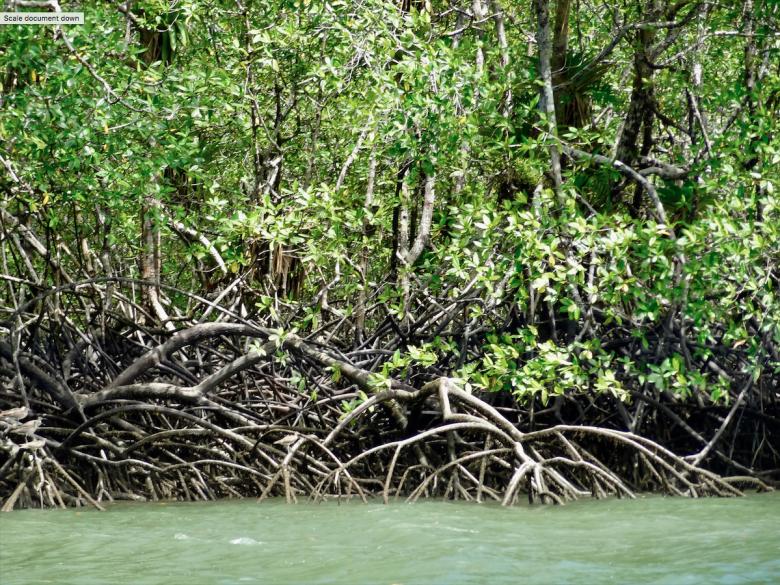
[455, 529]
[244, 540]
[180, 536]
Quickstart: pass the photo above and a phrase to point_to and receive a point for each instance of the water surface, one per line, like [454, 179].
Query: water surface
[650, 540]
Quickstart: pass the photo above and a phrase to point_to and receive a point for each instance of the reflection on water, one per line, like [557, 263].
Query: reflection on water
[651, 540]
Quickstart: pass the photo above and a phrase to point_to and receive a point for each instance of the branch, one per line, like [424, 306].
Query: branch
[629, 172]
[180, 340]
[54, 6]
[661, 169]
[50, 385]
[177, 225]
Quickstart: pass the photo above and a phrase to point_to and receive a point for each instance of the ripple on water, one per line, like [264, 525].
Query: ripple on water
[245, 540]
[643, 542]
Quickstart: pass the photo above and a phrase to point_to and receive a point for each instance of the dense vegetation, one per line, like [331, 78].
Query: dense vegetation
[536, 243]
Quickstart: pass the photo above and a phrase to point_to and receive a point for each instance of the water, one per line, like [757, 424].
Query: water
[651, 540]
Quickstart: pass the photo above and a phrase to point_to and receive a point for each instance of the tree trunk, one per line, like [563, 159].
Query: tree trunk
[368, 210]
[149, 260]
[503, 47]
[558, 60]
[640, 108]
[547, 101]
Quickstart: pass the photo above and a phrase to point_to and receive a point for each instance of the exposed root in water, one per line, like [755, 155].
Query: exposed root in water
[232, 409]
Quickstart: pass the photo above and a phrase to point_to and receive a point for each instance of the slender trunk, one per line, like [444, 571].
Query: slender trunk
[459, 24]
[561, 35]
[503, 48]
[150, 261]
[547, 101]
[396, 238]
[368, 210]
[478, 9]
[409, 251]
[150, 235]
[84, 251]
[423, 231]
[558, 60]
[698, 115]
[750, 57]
[640, 115]
[403, 249]
[640, 108]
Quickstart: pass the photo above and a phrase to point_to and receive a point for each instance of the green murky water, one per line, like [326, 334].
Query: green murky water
[651, 540]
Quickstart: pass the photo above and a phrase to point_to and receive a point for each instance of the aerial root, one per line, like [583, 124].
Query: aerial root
[225, 422]
[549, 465]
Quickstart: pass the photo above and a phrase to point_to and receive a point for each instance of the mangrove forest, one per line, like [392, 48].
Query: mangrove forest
[479, 250]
